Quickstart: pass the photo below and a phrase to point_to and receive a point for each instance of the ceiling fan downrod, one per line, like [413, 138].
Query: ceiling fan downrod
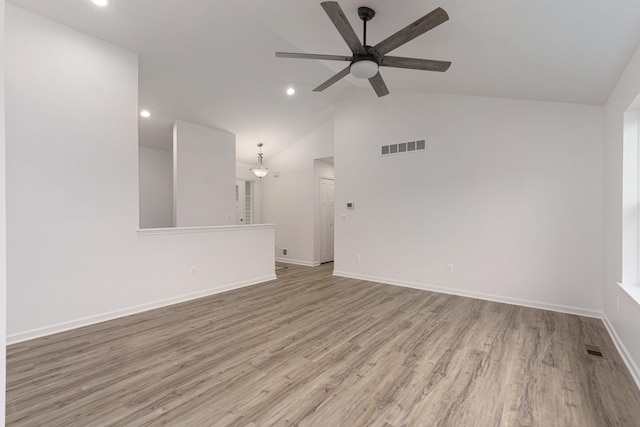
[366, 14]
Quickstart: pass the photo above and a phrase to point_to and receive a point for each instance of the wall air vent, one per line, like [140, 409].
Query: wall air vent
[404, 147]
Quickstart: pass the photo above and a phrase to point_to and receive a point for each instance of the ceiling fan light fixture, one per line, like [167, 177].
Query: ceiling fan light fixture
[364, 69]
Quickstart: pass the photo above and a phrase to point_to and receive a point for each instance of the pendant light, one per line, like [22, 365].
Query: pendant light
[260, 171]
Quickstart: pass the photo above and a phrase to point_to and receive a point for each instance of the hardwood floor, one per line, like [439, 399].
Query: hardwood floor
[313, 349]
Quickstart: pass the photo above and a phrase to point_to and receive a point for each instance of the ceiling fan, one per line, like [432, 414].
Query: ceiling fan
[366, 60]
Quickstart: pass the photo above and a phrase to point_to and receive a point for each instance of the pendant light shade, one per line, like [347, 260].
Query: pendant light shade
[260, 171]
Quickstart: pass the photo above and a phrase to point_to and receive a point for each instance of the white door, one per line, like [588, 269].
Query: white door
[326, 219]
[240, 185]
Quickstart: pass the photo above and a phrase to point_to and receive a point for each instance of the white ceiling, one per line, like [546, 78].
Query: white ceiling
[212, 62]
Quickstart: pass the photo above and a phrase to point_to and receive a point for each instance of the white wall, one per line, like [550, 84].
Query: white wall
[622, 313]
[3, 230]
[288, 200]
[204, 169]
[509, 192]
[156, 188]
[73, 254]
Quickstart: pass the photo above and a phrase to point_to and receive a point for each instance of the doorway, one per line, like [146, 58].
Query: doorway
[326, 220]
[244, 201]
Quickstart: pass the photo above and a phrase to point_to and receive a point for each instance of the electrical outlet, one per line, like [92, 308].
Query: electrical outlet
[193, 271]
[285, 252]
[450, 268]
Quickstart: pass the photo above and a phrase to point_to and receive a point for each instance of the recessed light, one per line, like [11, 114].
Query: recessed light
[101, 3]
[145, 113]
[291, 91]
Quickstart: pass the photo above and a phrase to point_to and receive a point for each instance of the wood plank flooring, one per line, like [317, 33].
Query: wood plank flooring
[311, 349]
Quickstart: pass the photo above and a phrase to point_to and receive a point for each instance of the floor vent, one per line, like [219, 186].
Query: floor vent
[593, 350]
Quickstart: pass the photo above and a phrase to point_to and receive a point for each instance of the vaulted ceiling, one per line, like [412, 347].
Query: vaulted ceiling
[212, 62]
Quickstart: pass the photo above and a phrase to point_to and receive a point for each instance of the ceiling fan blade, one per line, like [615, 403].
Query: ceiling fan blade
[313, 56]
[337, 16]
[378, 85]
[332, 80]
[411, 31]
[415, 63]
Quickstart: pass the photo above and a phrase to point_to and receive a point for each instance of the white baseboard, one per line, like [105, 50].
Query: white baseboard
[298, 262]
[477, 295]
[624, 353]
[91, 320]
